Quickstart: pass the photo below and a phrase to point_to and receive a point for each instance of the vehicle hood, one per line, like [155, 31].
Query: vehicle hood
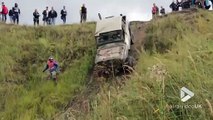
[110, 52]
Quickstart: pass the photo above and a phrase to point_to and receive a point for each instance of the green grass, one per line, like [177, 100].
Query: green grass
[24, 91]
[178, 52]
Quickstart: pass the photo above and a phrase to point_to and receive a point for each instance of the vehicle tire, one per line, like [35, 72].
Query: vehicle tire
[128, 68]
[130, 61]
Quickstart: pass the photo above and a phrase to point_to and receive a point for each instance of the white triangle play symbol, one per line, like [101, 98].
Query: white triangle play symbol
[185, 94]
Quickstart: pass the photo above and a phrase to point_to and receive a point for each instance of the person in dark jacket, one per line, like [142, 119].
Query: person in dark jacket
[11, 14]
[63, 14]
[174, 6]
[52, 15]
[83, 13]
[186, 4]
[162, 11]
[36, 16]
[45, 16]
[16, 12]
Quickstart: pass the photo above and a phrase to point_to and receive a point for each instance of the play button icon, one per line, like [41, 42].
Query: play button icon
[185, 94]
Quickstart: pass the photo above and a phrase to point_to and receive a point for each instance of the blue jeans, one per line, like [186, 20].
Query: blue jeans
[63, 19]
[52, 21]
[4, 18]
[16, 18]
[11, 19]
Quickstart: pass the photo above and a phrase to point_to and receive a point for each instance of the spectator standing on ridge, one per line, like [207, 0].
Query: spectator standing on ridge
[52, 15]
[16, 12]
[63, 14]
[174, 6]
[154, 11]
[162, 11]
[45, 16]
[83, 13]
[11, 14]
[36, 16]
[185, 4]
[4, 12]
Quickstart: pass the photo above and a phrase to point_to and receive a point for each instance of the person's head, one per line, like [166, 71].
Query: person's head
[154, 4]
[161, 7]
[16, 4]
[51, 59]
[52, 8]
[2, 3]
[63, 7]
[83, 5]
[36, 10]
[47, 8]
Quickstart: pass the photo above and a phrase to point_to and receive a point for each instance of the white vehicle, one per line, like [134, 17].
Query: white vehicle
[113, 40]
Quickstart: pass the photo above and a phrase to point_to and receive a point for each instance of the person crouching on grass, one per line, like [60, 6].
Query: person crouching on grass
[52, 65]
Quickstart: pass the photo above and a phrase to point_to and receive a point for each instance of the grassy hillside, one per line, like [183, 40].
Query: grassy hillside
[178, 53]
[25, 94]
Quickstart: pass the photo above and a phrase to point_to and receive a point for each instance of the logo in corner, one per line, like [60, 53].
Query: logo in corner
[185, 94]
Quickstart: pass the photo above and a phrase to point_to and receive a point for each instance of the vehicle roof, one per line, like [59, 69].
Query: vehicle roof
[109, 24]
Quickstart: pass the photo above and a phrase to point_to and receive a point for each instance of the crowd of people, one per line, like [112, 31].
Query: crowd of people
[182, 4]
[156, 12]
[186, 4]
[48, 18]
[13, 13]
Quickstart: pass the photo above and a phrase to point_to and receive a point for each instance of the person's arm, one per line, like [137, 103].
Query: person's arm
[56, 14]
[61, 12]
[171, 5]
[45, 68]
[56, 65]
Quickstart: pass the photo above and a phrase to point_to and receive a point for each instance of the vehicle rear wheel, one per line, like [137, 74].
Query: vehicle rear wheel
[130, 61]
[129, 66]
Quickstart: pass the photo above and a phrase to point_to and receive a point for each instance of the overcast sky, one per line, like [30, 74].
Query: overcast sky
[134, 9]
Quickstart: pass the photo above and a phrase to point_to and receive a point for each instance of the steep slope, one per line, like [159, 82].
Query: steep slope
[177, 52]
[25, 93]
[173, 52]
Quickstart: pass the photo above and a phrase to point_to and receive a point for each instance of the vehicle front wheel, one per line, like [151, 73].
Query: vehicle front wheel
[130, 61]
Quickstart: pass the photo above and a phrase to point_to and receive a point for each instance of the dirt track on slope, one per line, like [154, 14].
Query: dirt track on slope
[80, 104]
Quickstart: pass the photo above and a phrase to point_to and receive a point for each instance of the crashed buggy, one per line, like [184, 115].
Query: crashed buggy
[113, 38]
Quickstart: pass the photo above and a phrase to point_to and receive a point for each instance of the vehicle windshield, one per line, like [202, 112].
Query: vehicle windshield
[109, 37]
